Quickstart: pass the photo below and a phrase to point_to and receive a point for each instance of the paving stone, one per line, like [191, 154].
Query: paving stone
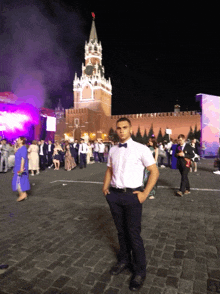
[200, 286]
[98, 288]
[159, 282]
[187, 275]
[76, 237]
[112, 291]
[91, 278]
[185, 286]
[170, 291]
[155, 290]
[162, 272]
[61, 281]
[190, 254]
[172, 282]
[178, 254]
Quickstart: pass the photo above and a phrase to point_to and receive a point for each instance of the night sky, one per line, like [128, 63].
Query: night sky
[155, 56]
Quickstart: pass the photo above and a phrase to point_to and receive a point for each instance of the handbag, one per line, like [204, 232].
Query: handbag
[91, 158]
[162, 153]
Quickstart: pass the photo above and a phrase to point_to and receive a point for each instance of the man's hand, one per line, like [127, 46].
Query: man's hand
[181, 153]
[141, 196]
[106, 191]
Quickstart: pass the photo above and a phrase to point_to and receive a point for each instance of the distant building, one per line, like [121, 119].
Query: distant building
[91, 114]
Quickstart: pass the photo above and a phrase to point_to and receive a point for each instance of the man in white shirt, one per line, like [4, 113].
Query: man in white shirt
[83, 149]
[101, 151]
[125, 167]
[96, 151]
[168, 147]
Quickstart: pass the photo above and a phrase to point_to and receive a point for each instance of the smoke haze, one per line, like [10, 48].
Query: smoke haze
[36, 58]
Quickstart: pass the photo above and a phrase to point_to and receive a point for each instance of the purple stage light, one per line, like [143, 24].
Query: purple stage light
[18, 120]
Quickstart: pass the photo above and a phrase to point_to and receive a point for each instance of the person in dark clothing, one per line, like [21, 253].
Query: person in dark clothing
[184, 154]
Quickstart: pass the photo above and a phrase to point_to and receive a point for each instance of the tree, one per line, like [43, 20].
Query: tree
[160, 136]
[111, 134]
[190, 134]
[197, 134]
[145, 137]
[166, 137]
[133, 136]
[139, 136]
[151, 132]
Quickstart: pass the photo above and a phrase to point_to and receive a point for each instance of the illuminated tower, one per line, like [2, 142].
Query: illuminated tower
[92, 90]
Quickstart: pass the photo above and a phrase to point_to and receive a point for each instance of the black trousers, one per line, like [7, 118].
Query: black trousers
[82, 160]
[184, 184]
[42, 162]
[50, 160]
[126, 211]
[101, 157]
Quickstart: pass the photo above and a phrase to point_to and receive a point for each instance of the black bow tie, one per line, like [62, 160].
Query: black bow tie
[123, 145]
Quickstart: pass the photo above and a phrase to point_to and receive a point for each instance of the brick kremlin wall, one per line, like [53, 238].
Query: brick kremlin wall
[178, 122]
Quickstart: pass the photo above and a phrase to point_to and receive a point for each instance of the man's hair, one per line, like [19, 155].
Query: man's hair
[181, 136]
[124, 119]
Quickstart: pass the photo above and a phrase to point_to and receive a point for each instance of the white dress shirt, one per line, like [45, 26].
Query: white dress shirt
[96, 147]
[41, 150]
[101, 148]
[49, 147]
[83, 149]
[128, 164]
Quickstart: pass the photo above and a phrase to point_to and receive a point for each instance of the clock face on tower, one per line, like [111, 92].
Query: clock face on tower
[89, 70]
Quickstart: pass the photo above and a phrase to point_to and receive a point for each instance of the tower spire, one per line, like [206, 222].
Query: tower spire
[93, 34]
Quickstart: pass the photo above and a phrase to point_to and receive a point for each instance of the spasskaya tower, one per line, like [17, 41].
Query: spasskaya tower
[92, 90]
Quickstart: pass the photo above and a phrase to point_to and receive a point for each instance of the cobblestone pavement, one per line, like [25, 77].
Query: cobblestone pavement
[63, 240]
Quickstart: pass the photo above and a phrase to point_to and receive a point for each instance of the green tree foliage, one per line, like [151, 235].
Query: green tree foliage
[166, 136]
[151, 132]
[139, 136]
[160, 136]
[190, 134]
[113, 135]
[197, 133]
[145, 137]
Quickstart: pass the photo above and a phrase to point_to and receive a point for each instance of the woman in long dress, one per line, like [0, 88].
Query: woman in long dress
[89, 153]
[69, 160]
[33, 151]
[20, 181]
[174, 158]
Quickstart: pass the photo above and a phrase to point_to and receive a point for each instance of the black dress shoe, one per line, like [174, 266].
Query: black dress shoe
[136, 282]
[118, 268]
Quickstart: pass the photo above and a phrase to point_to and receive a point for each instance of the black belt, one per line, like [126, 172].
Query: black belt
[124, 190]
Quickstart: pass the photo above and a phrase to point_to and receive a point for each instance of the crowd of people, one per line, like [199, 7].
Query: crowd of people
[131, 177]
[66, 154]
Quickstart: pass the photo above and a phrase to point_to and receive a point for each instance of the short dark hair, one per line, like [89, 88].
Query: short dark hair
[124, 119]
[181, 136]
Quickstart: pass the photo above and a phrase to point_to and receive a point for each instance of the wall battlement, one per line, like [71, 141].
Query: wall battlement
[158, 114]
